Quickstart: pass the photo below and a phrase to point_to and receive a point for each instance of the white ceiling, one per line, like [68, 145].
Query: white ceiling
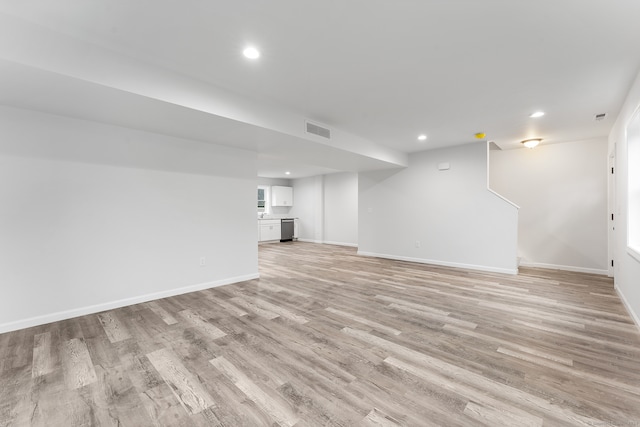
[383, 71]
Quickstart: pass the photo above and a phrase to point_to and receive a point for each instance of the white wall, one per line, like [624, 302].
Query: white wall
[627, 268]
[327, 206]
[274, 181]
[562, 193]
[308, 207]
[341, 208]
[95, 216]
[457, 221]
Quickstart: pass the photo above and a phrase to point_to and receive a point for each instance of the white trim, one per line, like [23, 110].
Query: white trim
[599, 271]
[309, 240]
[442, 263]
[632, 249]
[626, 304]
[503, 198]
[633, 252]
[83, 311]
[352, 245]
[489, 177]
[327, 242]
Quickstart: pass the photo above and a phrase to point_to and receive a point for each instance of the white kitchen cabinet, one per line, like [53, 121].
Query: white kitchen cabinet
[281, 196]
[269, 230]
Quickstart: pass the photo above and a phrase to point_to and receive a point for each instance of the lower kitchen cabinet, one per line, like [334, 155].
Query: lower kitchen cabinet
[269, 230]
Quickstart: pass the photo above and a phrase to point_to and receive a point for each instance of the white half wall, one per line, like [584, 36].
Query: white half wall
[562, 193]
[626, 267]
[445, 217]
[96, 216]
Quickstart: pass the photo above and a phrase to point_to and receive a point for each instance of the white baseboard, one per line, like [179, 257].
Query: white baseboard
[626, 304]
[564, 267]
[351, 245]
[442, 263]
[309, 240]
[83, 311]
[328, 242]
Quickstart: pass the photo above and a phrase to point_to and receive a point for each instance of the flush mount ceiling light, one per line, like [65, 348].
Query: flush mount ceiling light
[531, 143]
[251, 53]
[422, 137]
[287, 173]
[536, 114]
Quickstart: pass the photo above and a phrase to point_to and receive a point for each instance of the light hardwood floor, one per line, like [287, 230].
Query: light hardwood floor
[326, 337]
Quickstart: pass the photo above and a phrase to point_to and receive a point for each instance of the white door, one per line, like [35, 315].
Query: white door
[611, 173]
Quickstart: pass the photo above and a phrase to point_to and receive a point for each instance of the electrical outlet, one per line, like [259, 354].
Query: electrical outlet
[417, 243]
[203, 261]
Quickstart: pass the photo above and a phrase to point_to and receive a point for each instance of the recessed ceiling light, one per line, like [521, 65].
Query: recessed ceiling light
[287, 173]
[251, 52]
[531, 143]
[422, 137]
[537, 114]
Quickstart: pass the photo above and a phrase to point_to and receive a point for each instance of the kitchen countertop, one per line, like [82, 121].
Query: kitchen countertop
[278, 218]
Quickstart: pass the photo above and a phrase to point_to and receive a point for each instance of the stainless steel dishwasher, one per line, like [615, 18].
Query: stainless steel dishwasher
[286, 229]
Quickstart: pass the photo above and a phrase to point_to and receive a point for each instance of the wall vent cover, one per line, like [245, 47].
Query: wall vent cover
[600, 116]
[318, 130]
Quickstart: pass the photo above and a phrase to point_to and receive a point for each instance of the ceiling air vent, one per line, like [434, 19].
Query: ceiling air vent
[318, 130]
[600, 116]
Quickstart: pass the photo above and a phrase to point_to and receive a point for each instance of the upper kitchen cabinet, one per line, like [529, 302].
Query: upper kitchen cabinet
[281, 196]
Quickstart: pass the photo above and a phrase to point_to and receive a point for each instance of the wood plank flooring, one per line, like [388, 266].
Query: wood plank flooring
[328, 338]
